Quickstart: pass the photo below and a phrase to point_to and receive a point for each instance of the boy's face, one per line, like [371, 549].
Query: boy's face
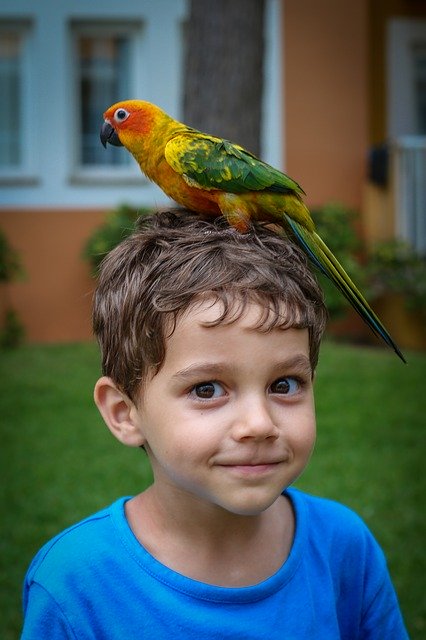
[229, 418]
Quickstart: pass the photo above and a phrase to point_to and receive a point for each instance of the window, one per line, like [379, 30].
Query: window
[419, 56]
[104, 75]
[406, 77]
[407, 126]
[103, 79]
[12, 72]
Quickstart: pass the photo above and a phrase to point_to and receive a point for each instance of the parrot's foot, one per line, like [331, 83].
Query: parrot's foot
[235, 211]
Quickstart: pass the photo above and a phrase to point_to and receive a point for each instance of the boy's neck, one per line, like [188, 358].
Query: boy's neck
[211, 545]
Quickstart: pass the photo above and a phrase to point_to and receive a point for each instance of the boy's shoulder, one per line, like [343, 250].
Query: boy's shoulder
[326, 510]
[334, 527]
[94, 536]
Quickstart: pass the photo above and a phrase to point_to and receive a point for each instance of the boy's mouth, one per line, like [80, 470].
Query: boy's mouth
[252, 470]
[252, 462]
[252, 467]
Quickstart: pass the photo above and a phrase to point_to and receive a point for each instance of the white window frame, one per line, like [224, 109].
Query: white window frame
[23, 173]
[115, 174]
[402, 34]
[408, 149]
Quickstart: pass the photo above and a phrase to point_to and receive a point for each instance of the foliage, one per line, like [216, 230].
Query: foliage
[394, 267]
[10, 264]
[119, 224]
[369, 455]
[335, 225]
[11, 329]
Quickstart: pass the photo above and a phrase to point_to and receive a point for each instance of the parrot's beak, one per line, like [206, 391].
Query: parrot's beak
[109, 134]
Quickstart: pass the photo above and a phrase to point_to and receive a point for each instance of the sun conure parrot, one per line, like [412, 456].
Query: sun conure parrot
[211, 175]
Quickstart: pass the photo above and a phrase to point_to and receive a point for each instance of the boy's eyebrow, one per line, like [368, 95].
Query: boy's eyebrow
[298, 363]
[202, 368]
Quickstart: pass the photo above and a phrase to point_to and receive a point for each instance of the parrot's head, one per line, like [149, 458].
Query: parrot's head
[128, 121]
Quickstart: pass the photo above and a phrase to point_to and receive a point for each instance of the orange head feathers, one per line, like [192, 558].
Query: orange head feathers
[123, 120]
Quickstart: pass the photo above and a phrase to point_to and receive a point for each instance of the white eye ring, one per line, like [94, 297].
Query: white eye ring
[121, 115]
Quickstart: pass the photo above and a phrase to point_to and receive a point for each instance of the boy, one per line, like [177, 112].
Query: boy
[209, 343]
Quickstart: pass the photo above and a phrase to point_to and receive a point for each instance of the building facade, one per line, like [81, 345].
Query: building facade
[333, 86]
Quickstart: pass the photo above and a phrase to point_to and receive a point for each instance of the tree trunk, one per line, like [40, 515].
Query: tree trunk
[224, 69]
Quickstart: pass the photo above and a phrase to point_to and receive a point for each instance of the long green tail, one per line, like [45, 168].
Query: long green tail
[328, 264]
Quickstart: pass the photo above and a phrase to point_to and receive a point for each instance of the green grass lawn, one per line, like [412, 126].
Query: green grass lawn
[59, 463]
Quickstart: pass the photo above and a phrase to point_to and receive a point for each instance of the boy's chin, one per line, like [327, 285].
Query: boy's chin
[249, 507]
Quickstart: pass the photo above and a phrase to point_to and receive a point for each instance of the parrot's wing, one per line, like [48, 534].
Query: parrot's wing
[213, 163]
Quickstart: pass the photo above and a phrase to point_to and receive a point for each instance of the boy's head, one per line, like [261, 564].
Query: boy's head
[175, 260]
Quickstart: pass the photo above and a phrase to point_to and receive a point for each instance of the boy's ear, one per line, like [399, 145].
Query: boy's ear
[119, 412]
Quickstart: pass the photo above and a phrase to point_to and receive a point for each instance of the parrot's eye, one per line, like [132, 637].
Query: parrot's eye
[121, 115]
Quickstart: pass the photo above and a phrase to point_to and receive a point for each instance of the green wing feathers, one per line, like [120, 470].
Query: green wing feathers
[213, 163]
[328, 264]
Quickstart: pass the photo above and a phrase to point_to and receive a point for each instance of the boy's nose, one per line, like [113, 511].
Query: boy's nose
[254, 421]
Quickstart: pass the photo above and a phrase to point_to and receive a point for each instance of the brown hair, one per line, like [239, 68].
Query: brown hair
[172, 260]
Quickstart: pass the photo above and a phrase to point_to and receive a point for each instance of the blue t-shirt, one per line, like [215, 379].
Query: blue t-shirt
[96, 581]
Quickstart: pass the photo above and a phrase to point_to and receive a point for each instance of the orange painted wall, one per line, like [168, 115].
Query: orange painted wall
[53, 301]
[325, 93]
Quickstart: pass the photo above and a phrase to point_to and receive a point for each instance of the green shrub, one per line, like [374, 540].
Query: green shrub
[119, 224]
[11, 329]
[10, 265]
[395, 268]
[335, 225]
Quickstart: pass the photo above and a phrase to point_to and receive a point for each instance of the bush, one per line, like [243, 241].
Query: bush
[11, 329]
[335, 225]
[119, 224]
[10, 265]
[395, 268]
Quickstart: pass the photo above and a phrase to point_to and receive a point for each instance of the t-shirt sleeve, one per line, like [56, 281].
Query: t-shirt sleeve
[382, 616]
[366, 602]
[43, 617]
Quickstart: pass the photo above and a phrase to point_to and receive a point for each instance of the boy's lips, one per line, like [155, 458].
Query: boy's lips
[251, 469]
[252, 466]
[252, 461]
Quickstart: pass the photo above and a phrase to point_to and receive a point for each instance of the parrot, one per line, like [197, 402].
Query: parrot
[210, 175]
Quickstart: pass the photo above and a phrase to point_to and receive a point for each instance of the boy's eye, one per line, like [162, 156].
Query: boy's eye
[207, 390]
[285, 386]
